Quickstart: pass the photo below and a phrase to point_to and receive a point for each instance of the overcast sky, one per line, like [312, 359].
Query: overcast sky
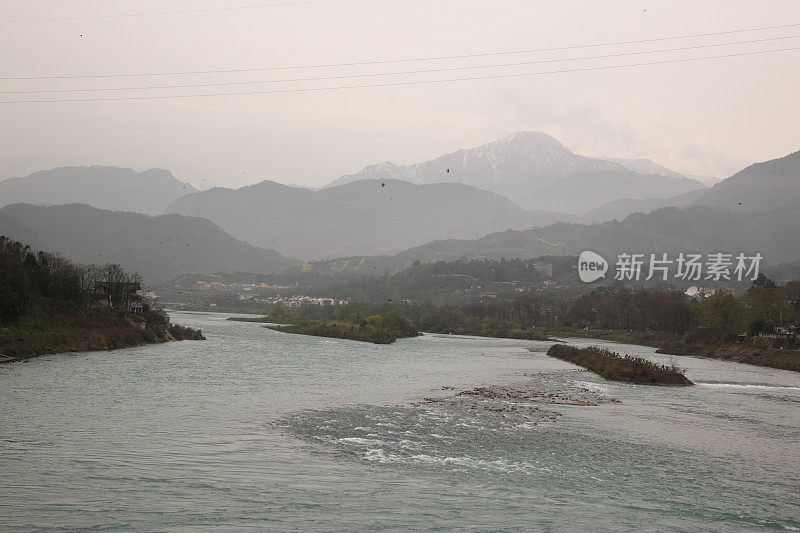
[701, 117]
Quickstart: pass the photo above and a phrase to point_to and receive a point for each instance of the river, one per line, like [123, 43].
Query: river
[254, 429]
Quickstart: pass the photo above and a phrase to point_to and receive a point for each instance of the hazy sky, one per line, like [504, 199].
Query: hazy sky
[702, 117]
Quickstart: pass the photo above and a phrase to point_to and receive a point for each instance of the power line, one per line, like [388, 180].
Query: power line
[401, 83]
[405, 60]
[376, 74]
[159, 13]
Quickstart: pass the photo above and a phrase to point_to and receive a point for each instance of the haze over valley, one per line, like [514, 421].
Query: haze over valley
[429, 211]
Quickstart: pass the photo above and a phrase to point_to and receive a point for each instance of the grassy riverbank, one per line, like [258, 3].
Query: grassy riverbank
[615, 367]
[54, 328]
[302, 322]
[699, 343]
[378, 329]
[498, 333]
[691, 336]
[265, 319]
[751, 353]
[50, 305]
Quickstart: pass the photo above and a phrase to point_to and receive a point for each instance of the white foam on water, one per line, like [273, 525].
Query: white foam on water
[378, 455]
[500, 465]
[594, 387]
[745, 385]
[358, 440]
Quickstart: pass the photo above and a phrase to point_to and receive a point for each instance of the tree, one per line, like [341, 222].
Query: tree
[723, 311]
[769, 305]
[792, 292]
[763, 282]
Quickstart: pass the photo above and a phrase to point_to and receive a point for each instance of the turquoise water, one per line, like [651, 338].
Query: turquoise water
[255, 429]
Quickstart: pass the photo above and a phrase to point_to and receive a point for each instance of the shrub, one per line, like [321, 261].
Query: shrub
[615, 367]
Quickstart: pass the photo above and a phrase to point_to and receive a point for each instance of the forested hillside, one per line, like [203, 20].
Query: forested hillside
[48, 304]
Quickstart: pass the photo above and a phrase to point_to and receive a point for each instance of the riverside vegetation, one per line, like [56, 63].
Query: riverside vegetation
[50, 305]
[723, 326]
[615, 367]
[378, 329]
[397, 320]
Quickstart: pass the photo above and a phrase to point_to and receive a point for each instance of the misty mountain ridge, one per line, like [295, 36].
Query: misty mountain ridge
[645, 167]
[624, 207]
[383, 217]
[103, 187]
[697, 228]
[766, 185]
[534, 169]
[160, 248]
[366, 217]
[585, 192]
[524, 165]
[759, 187]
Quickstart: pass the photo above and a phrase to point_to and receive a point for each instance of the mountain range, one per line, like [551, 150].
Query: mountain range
[538, 172]
[160, 248]
[623, 207]
[533, 169]
[761, 186]
[366, 217]
[753, 210]
[118, 189]
[698, 229]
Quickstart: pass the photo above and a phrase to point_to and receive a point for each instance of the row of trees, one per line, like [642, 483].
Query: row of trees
[28, 276]
[443, 282]
[764, 307]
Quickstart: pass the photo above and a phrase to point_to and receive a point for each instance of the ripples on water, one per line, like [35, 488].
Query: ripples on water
[516, 435]
[255, 429]
[482, 428]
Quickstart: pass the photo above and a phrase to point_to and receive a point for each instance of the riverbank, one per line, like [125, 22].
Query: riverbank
[263, 319]
[52, 329]
[698, 342]
[737, 352]
[497, 333]
[752, 351]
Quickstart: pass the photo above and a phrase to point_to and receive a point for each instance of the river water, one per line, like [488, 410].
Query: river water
[258, 430]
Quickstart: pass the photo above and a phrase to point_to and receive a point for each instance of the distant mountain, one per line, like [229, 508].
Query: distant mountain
[526, 159]
[16, 230]
[760, 186]
[697, 229]
[646, 166]
[622, 208]
[586, 191]
[119, 189]
[523, 164]
[160, 248]
[367, 217]
[784, 272]
[705, 179]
